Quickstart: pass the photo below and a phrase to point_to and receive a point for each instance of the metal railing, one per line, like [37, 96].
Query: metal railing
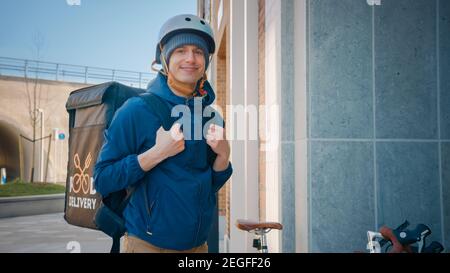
[71, 73]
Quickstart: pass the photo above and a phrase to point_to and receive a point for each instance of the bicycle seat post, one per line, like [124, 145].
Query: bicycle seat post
[262, 246]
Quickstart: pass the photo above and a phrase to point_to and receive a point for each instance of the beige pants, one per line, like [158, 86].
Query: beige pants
[133, 244]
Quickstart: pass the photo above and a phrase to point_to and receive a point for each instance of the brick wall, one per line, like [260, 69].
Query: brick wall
[221, 100]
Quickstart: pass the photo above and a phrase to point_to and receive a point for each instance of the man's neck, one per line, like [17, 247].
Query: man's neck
[179, 88]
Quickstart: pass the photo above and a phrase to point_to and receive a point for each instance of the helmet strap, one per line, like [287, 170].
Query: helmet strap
[163, 61]
[200, 91]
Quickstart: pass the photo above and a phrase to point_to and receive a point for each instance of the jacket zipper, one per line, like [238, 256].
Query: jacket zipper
[200, 220]
[149, 211]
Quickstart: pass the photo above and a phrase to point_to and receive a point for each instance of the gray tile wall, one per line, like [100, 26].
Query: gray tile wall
[444, 80]
[405, 69]
[340, 69]
[444, 66]
[379, 79]
[342, 198]
[446, 190]
[408, 180]
[287, 128]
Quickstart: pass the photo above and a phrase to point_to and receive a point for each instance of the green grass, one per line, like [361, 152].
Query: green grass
[20, 188]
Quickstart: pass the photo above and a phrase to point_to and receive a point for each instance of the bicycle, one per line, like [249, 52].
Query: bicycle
[260, 229]
[402, 240]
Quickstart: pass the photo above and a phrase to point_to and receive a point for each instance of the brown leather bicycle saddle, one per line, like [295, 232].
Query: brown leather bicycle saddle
[248, 225]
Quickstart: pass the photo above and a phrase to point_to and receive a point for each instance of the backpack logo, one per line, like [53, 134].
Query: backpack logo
[81, 183]
[81, 180]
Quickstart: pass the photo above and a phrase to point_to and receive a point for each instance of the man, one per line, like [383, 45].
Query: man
[172, 210]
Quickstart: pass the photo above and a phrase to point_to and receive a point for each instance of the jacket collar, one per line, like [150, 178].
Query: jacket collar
[159, 87]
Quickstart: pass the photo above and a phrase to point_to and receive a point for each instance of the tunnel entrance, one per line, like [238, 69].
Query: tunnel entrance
[9, 150]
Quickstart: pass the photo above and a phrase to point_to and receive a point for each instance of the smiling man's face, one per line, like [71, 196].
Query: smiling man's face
[187, 64]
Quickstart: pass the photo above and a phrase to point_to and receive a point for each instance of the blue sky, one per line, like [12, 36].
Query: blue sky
[117, 34]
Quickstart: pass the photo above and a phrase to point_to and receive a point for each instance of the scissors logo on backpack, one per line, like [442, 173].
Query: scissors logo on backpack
[81, 183]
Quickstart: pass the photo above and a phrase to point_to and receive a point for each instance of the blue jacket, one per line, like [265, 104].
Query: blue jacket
[180, 190]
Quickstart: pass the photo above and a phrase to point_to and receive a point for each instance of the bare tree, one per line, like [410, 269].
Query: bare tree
[34, 95]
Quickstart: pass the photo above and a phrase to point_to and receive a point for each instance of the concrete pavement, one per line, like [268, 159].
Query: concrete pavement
[49, 233]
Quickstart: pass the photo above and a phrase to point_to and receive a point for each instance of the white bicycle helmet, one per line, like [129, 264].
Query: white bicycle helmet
[184, 23]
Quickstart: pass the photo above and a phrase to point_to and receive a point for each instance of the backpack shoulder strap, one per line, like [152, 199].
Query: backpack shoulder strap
[160, 108]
